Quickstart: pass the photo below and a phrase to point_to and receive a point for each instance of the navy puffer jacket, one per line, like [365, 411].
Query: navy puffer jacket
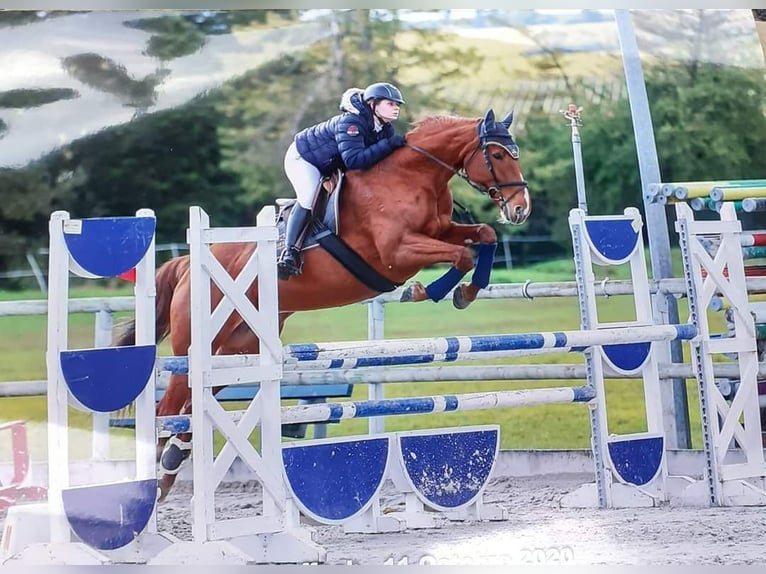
[345, 141]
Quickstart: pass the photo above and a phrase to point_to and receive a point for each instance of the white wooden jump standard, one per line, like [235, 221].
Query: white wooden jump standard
[728, 480]
[631, 470]
[273, 536]
[112, 522]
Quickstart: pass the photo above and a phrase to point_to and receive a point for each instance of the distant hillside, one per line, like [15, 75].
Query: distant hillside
[490, 18]
[508, 77]
[726, 37]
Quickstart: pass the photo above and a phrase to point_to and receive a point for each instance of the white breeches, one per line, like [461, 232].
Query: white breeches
[303, 176]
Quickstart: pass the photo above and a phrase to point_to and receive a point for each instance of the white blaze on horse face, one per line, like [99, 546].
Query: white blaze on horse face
[527, 202]
[506, 214]
[511, 214]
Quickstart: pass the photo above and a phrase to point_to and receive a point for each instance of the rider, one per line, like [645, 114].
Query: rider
[358, 138]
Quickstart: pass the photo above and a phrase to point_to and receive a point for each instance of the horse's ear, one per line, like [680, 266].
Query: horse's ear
[508, 120]
[489, 120]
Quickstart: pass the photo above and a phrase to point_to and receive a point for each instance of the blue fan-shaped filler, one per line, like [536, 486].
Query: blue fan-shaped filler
[614, 240]
[110, 516]
[108, 379]
[637, 460]
[109, 246]
[627, 358]
[336, 480]
[449, 470]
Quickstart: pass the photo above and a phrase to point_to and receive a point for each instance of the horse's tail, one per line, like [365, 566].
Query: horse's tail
[166, 280]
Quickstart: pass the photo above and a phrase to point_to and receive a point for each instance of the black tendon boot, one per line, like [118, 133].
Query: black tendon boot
[290, 263]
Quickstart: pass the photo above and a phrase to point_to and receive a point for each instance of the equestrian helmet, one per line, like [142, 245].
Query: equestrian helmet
[383, 91]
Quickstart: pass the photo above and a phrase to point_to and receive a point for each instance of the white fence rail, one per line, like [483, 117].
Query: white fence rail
[506, 256]
[40, 274]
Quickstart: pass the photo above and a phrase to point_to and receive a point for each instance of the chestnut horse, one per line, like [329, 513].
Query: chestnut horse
[397, 216]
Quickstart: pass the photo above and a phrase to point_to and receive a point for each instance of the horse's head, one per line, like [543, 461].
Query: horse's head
[497, 171]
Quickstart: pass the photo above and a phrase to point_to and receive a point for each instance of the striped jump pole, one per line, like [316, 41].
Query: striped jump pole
[453, 346]
[337, 411]
[443, 373]
[488, 373]
[690, 189]
[179, 365]
[435, 404]
[753, 239]
[402, 352]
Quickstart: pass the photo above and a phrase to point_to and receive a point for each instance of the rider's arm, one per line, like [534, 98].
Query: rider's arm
[350, 137]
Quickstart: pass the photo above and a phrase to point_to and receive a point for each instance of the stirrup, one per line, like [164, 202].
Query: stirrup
[289, 264]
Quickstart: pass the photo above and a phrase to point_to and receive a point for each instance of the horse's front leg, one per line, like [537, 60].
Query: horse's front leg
[460, 235]
[486, 238]
[419, 251]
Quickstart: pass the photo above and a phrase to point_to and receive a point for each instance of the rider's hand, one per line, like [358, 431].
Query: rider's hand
[397, 141]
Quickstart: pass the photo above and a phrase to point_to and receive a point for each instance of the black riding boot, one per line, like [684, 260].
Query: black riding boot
[290, 263]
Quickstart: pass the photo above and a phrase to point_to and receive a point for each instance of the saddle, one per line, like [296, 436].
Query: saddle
[323, 231]
[324, 212]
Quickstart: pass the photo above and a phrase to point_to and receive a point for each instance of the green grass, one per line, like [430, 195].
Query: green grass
[23, 341]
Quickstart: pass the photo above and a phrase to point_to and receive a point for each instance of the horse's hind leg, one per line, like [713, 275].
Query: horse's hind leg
[177, 400]
[173, 451]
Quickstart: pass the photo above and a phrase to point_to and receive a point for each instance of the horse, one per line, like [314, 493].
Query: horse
[396, 216]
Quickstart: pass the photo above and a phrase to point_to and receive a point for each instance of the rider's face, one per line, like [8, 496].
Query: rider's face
[388, 110]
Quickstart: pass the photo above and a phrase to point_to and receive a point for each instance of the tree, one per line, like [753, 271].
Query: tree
[29, 197]
[708, 121]
[263, 110]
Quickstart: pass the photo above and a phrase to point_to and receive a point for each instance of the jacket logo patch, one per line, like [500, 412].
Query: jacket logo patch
[352, 131]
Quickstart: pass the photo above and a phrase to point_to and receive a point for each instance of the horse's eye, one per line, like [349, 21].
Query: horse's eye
[497, 155]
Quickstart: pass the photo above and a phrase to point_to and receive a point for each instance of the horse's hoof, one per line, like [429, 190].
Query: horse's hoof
[457, 298]
[164, 484]
[414, 293]
[174, 455]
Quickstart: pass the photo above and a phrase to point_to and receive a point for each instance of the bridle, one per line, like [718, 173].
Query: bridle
[493, 191]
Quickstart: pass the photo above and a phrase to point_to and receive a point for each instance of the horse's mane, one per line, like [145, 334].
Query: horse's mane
[437, 122]
[421, 130]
